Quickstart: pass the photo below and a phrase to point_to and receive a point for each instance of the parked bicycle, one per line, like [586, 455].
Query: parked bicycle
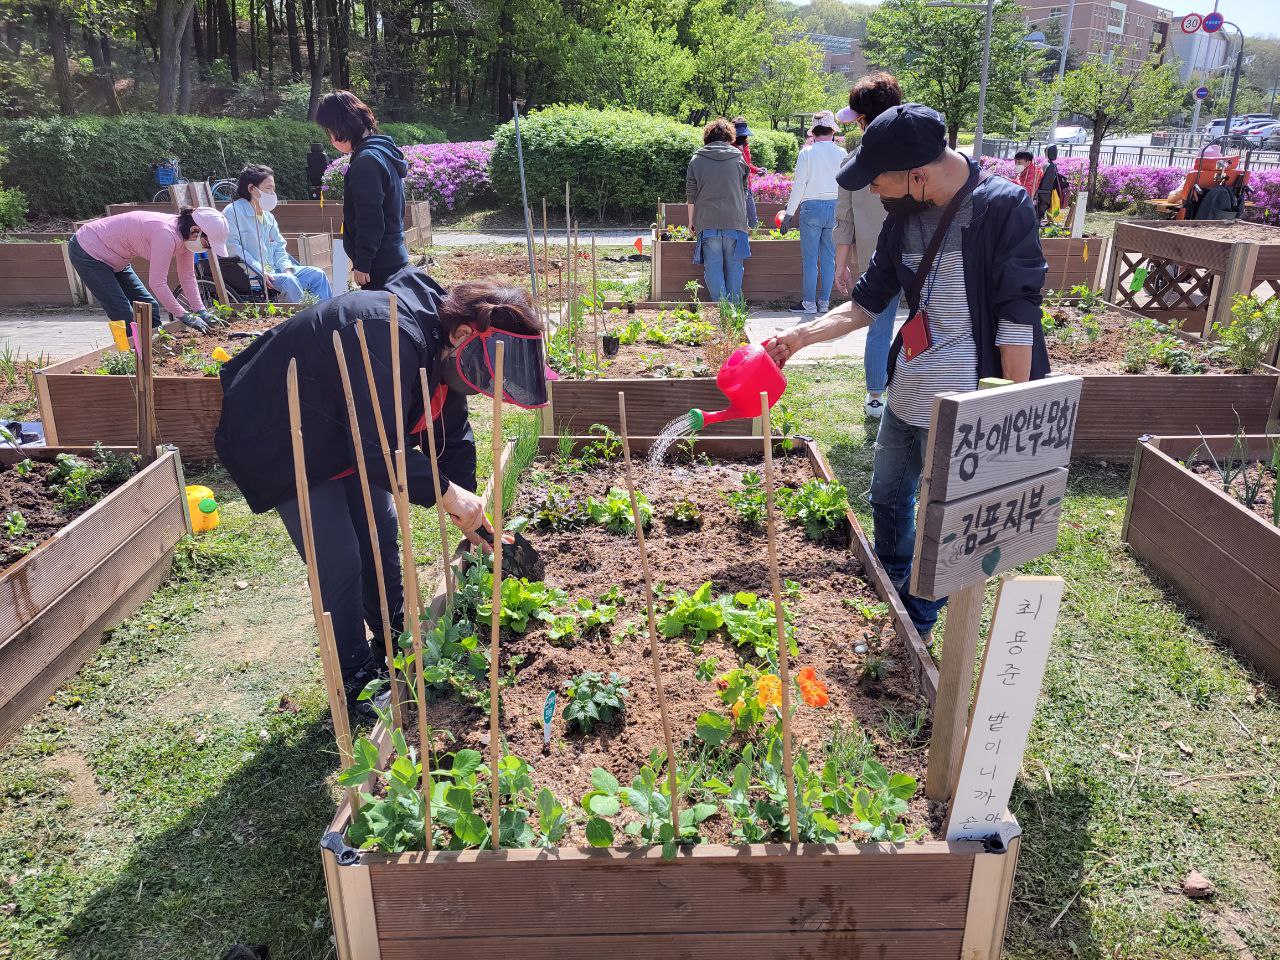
[168, 172]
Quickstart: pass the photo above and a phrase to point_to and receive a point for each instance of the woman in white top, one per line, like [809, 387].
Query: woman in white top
[256, 239]
[812, 205]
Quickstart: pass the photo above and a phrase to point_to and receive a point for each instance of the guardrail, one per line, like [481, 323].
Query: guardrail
[1181, 157]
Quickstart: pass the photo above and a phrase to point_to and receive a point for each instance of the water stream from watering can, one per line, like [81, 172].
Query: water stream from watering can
[681, 426]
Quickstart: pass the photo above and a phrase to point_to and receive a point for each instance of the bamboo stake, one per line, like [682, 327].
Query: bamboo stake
[145, 382]
[412, 603]
[332, 675]
[435, 482]
[546, 274]
[495, 747]
[362, 470]
[653, 624]
[595, 305]
[784, 654]
[575, 274]
[373, 400]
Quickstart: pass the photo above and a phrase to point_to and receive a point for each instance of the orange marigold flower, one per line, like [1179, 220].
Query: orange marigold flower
[769, 691]
[813, 690]
[806, 673]
[737, 708]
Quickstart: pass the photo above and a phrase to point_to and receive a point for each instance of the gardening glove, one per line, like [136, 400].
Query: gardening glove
[785, 226]
[199, 322]
[466, 510]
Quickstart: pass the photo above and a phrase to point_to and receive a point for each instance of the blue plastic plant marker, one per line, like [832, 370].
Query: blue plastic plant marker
[548, 711]
[991, 561]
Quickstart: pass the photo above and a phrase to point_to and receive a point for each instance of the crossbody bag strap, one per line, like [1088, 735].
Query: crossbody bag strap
[939, 234]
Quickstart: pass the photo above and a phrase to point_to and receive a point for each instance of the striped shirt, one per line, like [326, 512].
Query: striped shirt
[951, 362]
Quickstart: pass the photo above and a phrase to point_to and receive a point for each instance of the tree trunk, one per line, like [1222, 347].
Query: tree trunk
[321, 55]
[56, 21]
[198, 29]
[185, 70]
[329, 24]
[295, 48]
[271, 41]
[173, 17]
[253, 39]
[100, 54]
[1095, 155]
[231, 37]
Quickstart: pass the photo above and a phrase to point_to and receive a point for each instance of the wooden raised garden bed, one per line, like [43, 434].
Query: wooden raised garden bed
[718, 900]
[58, 599]
[771, 273]
[662, 381]
[1193, 268]
[35, 270]
[80, 407]
[1118, 407]
[1073, 261]
[308, 216]
[1220, 556]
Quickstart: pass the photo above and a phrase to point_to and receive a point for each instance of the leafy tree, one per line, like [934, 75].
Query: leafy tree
[936, 54]
[835, 17]
[728, 51]
[791, 80]
[1107, 95]
[633, 63]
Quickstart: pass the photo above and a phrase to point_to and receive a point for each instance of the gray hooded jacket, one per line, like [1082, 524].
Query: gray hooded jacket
[716, 184]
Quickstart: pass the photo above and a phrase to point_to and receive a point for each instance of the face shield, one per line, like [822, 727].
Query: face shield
[524, 377]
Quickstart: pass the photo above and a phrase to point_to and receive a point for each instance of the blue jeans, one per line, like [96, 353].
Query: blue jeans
[721, 266]
[817, 249]
[875, 361]
[311, 280]
[116, 292]
[752, 219]
[895, 478]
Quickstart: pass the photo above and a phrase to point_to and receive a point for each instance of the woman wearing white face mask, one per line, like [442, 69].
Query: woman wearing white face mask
[101, 250]
[256, 239]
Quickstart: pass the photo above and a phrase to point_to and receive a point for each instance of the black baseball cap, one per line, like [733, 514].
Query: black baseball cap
[904, 137]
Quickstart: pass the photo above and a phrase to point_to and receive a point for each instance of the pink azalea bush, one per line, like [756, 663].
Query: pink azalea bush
[1119, 185]
[447, 174]
[1266, 189]
[771, 187]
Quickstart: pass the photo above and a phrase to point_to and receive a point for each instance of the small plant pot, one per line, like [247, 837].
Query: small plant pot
[611, 344]
[631, 308]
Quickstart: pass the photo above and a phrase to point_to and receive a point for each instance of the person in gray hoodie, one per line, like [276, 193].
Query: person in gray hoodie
[373, 189]
[716, 188]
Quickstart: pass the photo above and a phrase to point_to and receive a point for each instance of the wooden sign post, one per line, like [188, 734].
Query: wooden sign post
[991, 493]
[1012, 669]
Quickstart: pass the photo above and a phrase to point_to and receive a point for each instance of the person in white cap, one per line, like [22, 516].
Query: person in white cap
[812, 205]
[101, 250]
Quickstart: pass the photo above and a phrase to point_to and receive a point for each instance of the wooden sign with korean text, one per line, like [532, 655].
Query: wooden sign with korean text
[1012, 670]
[990, 438]
[994, 478]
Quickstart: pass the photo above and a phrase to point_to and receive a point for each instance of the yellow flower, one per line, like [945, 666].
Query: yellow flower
[769, 691]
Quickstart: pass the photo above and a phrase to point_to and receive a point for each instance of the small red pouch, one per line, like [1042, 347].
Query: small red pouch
[915, 335]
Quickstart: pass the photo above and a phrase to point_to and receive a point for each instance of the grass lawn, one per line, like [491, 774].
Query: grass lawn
[170, 800]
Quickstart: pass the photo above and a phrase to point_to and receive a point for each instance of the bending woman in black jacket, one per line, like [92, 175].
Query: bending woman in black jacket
[372, 192]
[450, 335]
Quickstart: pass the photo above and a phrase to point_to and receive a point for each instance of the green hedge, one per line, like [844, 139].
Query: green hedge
[75, 166]
[619, 160]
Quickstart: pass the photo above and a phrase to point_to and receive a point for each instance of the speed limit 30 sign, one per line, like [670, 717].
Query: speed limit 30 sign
[1192, 22]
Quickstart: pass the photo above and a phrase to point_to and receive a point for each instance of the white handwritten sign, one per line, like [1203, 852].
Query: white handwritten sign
[1008, 688]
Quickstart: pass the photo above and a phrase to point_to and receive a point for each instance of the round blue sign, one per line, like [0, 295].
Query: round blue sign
[1202, 93]
[1212, 22]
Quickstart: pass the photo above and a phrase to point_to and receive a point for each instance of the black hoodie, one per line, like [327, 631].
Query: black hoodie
[253, 439]
[373, 206]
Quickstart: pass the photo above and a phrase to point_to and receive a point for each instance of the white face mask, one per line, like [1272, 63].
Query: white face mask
[195, 246]
[267, 201]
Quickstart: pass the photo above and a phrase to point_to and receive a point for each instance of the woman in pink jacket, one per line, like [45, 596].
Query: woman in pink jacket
[101, 250]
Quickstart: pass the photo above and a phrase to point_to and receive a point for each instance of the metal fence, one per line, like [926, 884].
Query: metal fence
[1182, 157]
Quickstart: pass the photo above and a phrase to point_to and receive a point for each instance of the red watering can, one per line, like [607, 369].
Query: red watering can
[747, 373]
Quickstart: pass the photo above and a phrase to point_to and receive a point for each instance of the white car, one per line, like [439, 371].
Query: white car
[1070, 135]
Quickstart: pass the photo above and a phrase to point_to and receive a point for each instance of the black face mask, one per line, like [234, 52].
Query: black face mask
[905, 206]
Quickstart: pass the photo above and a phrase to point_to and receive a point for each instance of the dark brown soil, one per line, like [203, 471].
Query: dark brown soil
[17, 401]
[1071, 350]
[453, 266]
[168, 350]
[44, 512]
[1263, 505]
[588, 562]
[1239, 230]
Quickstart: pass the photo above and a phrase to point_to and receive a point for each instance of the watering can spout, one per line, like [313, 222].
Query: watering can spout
[747, 373]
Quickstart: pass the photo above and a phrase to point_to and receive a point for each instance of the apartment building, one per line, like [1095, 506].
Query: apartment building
[1112, 28]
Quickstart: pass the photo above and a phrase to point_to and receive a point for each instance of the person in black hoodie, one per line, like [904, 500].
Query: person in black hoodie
[449, 335]
[373, 189]
[317, 164]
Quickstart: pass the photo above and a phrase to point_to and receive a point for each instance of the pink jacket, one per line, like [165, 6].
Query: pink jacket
[126, 236]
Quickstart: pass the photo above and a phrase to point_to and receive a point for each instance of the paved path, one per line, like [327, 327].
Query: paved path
[443, 237]
[853, 346]
[56, 334]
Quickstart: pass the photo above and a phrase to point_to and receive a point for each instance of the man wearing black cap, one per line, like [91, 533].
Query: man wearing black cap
[965, 251]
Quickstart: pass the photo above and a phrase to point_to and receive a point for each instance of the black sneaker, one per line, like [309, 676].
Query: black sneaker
[803, 308]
